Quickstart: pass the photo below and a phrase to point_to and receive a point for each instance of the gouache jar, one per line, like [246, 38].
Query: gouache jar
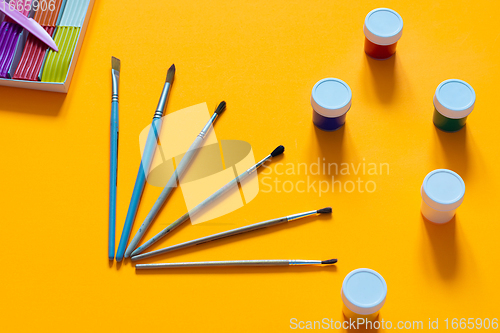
[363, 293]
[453, 102]
[383, 28]
[330, 100]
[442, 193]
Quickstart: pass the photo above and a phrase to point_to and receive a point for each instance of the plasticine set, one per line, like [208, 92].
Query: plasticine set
[25, 60]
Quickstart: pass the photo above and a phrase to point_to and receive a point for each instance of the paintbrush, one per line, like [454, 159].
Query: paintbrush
[172, 182]
[278, 151]
[233, 263]
[233, 232]
[113, 166]
[147, 158]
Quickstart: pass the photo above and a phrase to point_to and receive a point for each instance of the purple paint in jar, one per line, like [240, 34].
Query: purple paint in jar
[330, 100]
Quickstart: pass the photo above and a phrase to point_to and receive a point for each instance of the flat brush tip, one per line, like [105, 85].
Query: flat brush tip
[329, 262]
[171, 74]
[115, 64]
[221, 108]
[278, 151]
[326, 210]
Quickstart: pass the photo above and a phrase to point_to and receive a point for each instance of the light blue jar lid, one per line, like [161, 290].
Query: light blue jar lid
[331, 97]
[443, 189]
[454, 99]
[364, 291]
[383, 26]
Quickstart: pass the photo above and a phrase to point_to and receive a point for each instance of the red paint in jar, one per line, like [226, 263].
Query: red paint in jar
[383, 28]
[379, 51]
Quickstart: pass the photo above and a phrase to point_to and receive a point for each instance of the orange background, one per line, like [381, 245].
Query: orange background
[263, 58]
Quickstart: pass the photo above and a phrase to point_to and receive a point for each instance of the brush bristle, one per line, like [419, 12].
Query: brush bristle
[221, 108]
[115, 64]
[171, 74]
[278, 151]
[326, 210]
[329, 262]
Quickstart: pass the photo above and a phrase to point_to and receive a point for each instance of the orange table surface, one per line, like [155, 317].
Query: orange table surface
[263, 58]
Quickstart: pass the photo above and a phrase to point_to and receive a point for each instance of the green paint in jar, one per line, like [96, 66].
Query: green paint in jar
[453, 102]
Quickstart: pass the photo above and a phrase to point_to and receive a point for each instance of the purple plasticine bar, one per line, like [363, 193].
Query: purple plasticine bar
[9, 35]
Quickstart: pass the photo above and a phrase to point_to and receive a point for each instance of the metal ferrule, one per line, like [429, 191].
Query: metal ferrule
[304, 262]
[163, 101]
[301, 215]
[258, 165]
[115, 75]
[207, 127]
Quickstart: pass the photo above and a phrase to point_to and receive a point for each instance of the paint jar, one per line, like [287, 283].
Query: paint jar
[330, 100]
[442, 193]
[383, 28]
[363, 293]
[453, 101]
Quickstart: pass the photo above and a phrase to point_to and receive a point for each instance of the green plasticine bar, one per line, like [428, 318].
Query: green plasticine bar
[57, 63]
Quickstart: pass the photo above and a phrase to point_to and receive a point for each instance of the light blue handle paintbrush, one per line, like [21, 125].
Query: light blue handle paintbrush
[147, 158]
[113, 167]
[172, 182]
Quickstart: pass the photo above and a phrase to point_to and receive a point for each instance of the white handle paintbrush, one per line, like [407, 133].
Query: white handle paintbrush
[233, 232]
[278, 151]
[172, 182]
[233, 263]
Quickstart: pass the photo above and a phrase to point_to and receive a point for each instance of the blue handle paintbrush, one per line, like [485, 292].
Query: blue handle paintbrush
[147, 158]
[113, 166]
